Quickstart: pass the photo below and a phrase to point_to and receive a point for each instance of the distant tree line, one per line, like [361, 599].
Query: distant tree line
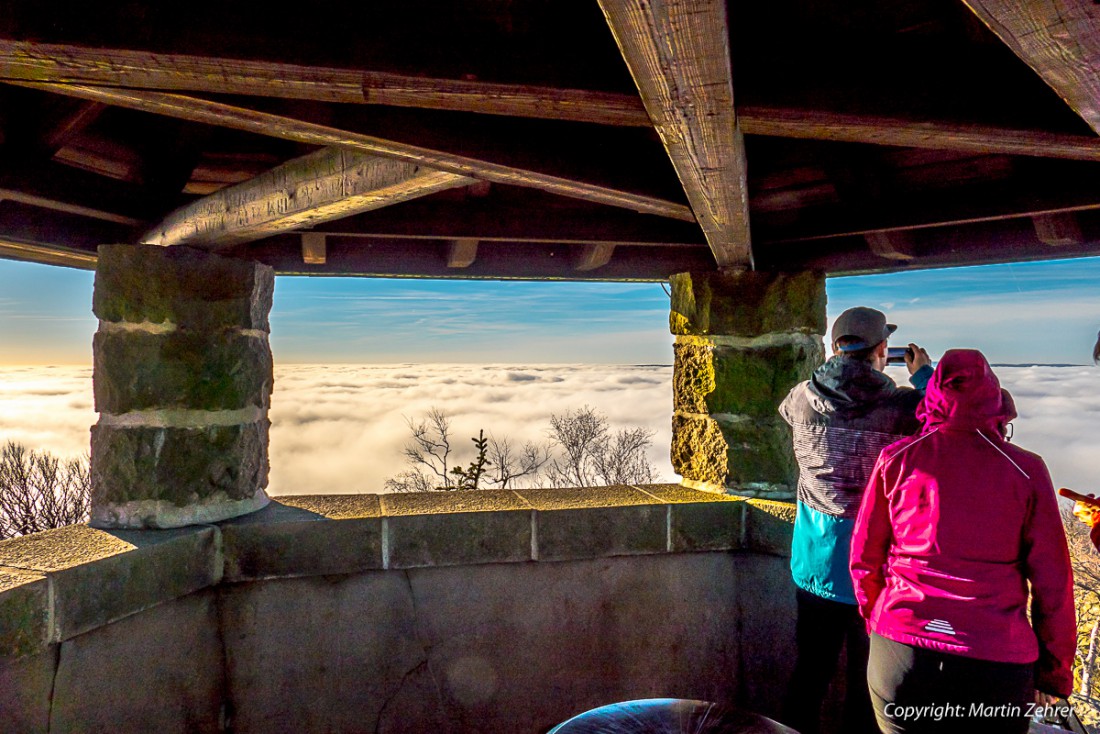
[581, 450]
[39, 491]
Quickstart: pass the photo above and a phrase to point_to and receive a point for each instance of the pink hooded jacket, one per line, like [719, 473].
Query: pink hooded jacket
[953, 525]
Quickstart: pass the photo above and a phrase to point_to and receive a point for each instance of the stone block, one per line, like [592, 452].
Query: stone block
[159, 671]
[24, 612]
[759, 451]
[26, 691]
[765, 601]
[700, 521]
[459, 538]
[99, 576]
[748, 303]
[190, 288]
[692, 374]
[769, 526]
[283, 540]
[699, 450]
[332, 654]
[754, 380]
[165, 477]
[597, 522]
[219, 370]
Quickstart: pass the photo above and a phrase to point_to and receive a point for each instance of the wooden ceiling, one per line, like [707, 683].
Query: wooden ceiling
[577, 139]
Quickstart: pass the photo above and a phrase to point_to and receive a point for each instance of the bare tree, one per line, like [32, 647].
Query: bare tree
[38, 491]
[1086, 593]
[581, 452]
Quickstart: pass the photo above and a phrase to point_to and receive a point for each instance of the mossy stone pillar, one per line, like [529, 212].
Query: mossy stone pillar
[743, 340]
[182, 381]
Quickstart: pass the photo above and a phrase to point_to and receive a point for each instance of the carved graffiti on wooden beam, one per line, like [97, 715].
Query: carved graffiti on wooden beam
[678, 53]
[1058, 229]
[891, 245]
[1060, 41]
[594, 256]
[330, 184]
[461, 253]
[262, 123]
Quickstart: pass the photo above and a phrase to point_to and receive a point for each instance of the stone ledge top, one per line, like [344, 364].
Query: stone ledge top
[570, 498]
[678, 494]
[11, 578]
[316, 507]
[435, 503]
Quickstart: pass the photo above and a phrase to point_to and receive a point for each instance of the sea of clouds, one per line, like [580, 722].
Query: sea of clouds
[341, 428]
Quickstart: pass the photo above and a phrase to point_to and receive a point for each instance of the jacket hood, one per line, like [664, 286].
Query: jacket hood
[964, 393]
[849, 386]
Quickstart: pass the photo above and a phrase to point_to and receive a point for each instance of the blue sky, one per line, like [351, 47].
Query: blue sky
[1024, 313]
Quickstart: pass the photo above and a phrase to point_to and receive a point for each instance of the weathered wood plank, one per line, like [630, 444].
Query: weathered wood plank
[329, 184]
[1059, 229]
[42, 62]
[678, 53]
[262, 123]
[62, 206]
[314, 248]
[1059, 39]
[594, 256]
[461, 253]
[880, 130]
[46, 254]
[70, 126]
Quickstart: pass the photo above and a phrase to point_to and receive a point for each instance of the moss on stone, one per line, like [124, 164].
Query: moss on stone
[759, 450]
[699, 450]
[692, 376]
[754, 380]
[183, 286]
[221, 370]
[747, 303]
[178, 465]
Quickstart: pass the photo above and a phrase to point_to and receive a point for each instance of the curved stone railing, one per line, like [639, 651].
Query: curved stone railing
[458, 609]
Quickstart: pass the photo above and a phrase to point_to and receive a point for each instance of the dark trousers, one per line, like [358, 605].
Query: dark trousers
[823, 628]
[916, 690]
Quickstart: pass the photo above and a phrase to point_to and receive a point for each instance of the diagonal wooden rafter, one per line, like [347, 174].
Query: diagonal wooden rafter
[1058, 39]
[678, 53]
[329, 184]
[263, 123]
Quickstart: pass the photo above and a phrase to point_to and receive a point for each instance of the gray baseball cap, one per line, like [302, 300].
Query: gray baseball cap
[865, 324]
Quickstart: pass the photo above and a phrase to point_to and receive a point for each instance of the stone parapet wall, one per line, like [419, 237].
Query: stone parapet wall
[459, 611]
[183, 378]
[742, 341]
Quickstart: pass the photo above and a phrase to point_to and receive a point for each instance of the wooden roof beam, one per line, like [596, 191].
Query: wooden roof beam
[678, 53]
[1058, 230]
[330, 184]
[594, 256]
[461, 253]
[287, 128]
[784, 122]
[44, 62]
[47, 254]
[1060, 41]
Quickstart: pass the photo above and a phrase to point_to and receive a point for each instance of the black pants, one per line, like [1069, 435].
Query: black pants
[917, 690]
[823, 628]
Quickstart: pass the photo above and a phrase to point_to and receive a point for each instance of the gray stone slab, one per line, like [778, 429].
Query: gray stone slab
[339, 535]
[598, 532]
[190, 288]
[769, 526]
[748, 303]
[26, 685]
[521, 647]
[459, 538]
[159, 671]
[101, 576]
[701, 521]
[24, 612]
[766, 624]
[338, 654]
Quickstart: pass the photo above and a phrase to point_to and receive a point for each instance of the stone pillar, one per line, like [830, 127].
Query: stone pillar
[743, 340]
[182, 382]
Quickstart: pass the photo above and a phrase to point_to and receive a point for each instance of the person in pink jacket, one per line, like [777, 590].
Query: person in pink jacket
[954, 526]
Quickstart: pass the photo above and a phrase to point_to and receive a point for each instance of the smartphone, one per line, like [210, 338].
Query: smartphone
[896, 355]
[1078, 497]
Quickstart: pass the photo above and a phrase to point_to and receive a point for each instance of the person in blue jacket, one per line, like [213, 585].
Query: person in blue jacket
[840, 419]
